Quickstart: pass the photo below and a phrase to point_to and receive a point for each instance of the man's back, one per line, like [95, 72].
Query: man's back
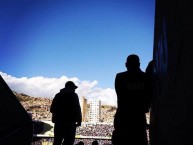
[131, 89]
[66, 114]
[65, 107]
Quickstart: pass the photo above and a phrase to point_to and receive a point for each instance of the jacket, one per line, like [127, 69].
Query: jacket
[65, 107]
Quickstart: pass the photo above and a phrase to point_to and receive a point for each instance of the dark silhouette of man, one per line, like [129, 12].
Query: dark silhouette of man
[150, 73]
[95, 142]
[66, 114]
[149, 69]
[150, 76]
[132, 92]
[80, 143]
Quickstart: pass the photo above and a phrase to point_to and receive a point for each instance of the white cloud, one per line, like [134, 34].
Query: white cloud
[47, 87]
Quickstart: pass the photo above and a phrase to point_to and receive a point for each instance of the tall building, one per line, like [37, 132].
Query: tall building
[95, 111]
[83, 105]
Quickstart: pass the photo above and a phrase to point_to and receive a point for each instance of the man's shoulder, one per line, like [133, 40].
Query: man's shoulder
[121, 74]
[61, 94]
[58, 95]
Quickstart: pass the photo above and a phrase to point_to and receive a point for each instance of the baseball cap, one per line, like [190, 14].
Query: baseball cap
[70, 84]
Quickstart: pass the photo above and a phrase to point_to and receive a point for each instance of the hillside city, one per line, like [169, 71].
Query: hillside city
[39, 108]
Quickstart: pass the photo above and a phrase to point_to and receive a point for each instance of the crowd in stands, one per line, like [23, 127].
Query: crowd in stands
[87, 129]
[41, 141]
[90, 141]
[97, 129]
[77, 141]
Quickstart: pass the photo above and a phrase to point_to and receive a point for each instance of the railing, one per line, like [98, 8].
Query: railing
[39, 139]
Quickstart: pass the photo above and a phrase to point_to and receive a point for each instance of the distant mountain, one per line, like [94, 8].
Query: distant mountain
[39, 108]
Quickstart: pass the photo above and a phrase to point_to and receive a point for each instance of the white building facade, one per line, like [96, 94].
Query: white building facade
[95, 111]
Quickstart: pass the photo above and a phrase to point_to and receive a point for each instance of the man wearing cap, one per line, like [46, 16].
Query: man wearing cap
[66, 114]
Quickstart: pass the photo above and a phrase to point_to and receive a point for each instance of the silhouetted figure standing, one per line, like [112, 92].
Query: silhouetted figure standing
[149, 69]
[150, 76]
[66, 114]
[80, 143]
[132, 92]
[95, 142]
[153, 116]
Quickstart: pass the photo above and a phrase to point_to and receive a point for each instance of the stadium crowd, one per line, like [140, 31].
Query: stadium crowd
[89, 131]
[95, 129]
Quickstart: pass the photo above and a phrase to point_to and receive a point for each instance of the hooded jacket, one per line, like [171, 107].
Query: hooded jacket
[65, 107]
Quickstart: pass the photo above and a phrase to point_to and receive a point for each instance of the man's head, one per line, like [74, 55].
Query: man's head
[95, 142]
[132, 61]
[70, 85]
[80, 143]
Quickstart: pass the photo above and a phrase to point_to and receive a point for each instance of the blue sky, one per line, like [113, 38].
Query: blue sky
[84, 39]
